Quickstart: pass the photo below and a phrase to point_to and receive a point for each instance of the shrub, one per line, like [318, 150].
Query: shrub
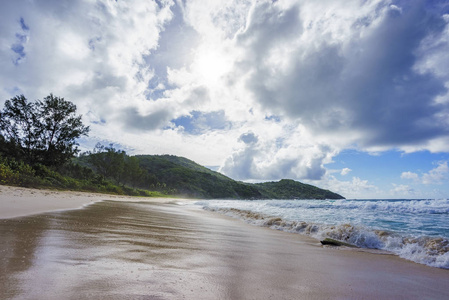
[7, 175]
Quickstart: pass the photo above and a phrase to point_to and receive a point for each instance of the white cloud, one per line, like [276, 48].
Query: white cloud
[354, 188]
[402, 190]
[269, 155]
[91, 53]
[345, 171]
[437, 175]
[409, 175]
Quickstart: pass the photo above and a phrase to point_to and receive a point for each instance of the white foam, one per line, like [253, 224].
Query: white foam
[432, 251]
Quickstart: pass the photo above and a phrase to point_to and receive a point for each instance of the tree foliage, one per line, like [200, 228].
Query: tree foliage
[18, 128]
[59, 127]
[41, 131]
[70, 176]
[117, 165]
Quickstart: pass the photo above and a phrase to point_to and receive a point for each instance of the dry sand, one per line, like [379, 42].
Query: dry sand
[16, 201]
[161, 250]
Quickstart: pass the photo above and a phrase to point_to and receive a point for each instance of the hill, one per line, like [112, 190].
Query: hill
[113, 171]
[187, 178]
[190, 179]
[290, 189]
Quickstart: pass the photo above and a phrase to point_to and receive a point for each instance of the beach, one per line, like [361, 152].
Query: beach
[17, 201]
[73, 245]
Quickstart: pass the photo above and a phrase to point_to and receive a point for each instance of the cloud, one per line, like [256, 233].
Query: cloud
[345, 171]
[437, 175]
[241, 165]
[261, 159]
[402, 190]
[354, 188]
[348, 67]
[134, 120]
[92, 53]
[409, 175]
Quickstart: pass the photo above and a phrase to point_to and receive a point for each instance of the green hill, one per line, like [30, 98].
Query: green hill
[187, 178]
[290, 189]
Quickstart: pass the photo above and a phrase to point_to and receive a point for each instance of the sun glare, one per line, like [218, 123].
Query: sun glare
[210, 65]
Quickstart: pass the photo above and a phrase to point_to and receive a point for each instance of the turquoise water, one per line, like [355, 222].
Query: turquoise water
[417, 230]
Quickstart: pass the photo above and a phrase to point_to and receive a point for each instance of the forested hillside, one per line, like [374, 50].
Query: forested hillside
[290, 189]
[188, 178]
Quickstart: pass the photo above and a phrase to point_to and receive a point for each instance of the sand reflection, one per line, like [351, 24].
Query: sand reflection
[18, 247]
[109, 248]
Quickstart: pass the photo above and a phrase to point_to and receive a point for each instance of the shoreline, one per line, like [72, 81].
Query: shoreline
[134, 247]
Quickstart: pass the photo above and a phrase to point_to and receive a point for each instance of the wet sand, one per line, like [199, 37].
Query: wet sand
[151, 250]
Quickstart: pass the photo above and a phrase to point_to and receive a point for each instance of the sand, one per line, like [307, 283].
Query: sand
[16, 201]
[163, 249]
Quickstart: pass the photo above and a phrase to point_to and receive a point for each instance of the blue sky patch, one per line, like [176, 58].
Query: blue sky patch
[385, 168]
[198, 122]
[19, 47]
[23, 25]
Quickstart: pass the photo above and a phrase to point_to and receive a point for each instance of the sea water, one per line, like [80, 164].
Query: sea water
[417, 230]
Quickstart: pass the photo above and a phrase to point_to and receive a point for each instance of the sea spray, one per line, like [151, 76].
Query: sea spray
[417, 230]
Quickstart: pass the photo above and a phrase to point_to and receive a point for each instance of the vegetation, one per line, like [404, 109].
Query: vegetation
[290, 189]
[71, 177]
[38, 143]
[185, 177]
[38, 149]
[40, 132]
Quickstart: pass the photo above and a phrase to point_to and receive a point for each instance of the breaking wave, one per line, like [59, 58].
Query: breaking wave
[431, 250]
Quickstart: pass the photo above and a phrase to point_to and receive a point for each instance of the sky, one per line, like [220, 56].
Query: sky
[347, 95]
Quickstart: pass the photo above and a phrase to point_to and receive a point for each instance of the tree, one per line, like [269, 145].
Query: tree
[117, 165]
[41, 131]
[18, 127]
[133, 173]
[108, 162]
[59, 127]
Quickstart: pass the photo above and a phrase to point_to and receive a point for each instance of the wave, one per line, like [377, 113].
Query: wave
[430, 206]
[431, 251]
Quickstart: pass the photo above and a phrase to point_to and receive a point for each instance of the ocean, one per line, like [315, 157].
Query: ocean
[416, 230]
